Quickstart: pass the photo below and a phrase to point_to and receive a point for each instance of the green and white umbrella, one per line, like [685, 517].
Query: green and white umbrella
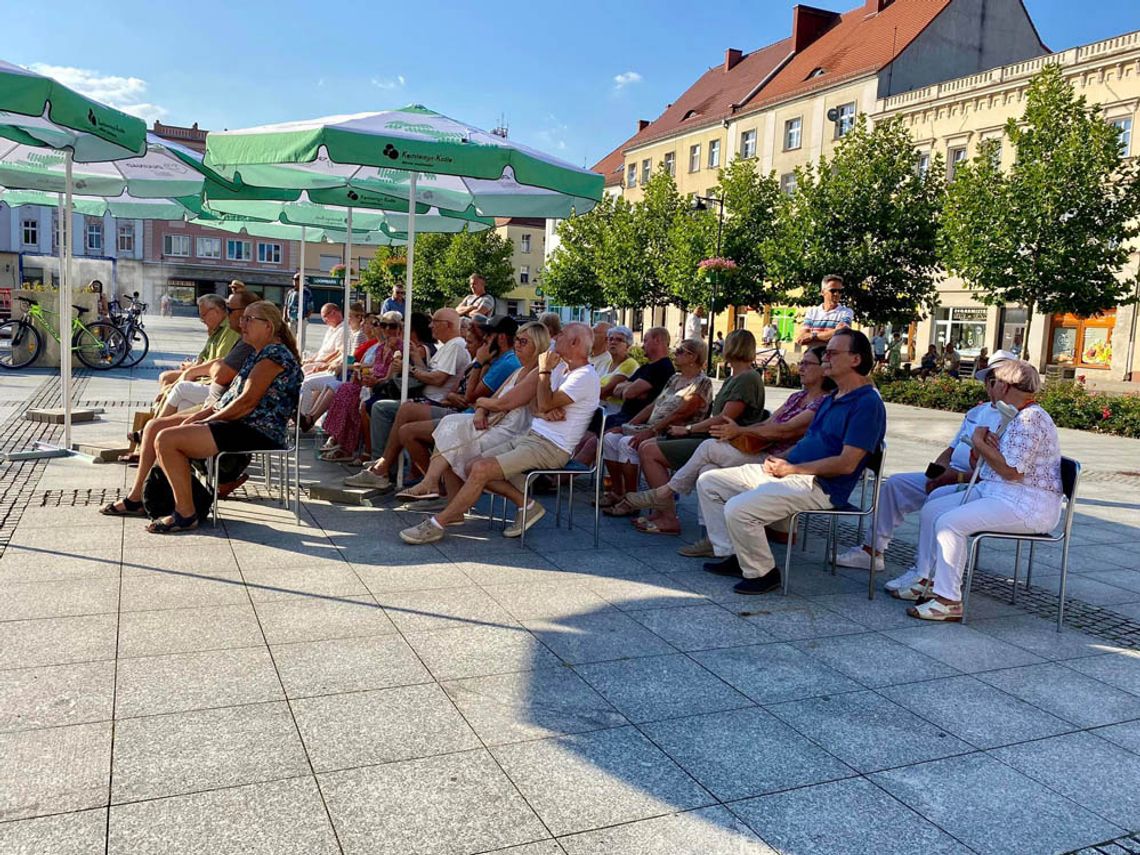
[125, 207]
[38, 111]
[414, 153]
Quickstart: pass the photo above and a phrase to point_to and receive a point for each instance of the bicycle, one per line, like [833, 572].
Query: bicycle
[98, 345]
[131, 325]
[781, 369]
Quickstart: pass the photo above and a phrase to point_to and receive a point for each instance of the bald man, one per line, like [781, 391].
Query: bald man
[440, 375]
[567, 397]
[600, 355]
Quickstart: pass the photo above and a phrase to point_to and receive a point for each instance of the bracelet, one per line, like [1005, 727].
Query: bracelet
[541, 373]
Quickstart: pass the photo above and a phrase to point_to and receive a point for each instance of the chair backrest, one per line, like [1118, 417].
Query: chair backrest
[601, 433]
[875, 460]
[1070, 475]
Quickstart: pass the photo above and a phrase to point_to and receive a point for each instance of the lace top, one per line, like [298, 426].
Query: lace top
[1031, 446]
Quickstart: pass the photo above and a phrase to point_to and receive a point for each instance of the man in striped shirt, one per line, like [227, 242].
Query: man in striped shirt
[823, 320]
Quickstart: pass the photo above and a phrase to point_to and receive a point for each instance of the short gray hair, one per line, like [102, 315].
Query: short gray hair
[212, 301]
[624, 331]
[1019, 374]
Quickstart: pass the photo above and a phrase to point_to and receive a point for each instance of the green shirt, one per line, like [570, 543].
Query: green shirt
[748, 386]
[894, 354]
[219, 343]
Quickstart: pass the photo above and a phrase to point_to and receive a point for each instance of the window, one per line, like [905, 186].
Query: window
[793, 133]
[748, 144]
[923, 165]
[695, 158]
[966, 327]
[670, 162]
[94, 237]
[269, 253]
[631, 177]
[239, 250]
[176, 244]
[526, 243]
[524, 274]
[646, 168]
[845, 121]
[1013, 329]
[328, 262]
[1125, 128]
[125, 241]
[788, 183]
[1082, 341]
[955, 158]
[31, 232]
[209, 247]
[714, 154]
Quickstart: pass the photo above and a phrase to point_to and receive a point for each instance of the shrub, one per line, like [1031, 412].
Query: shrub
[1070, 405]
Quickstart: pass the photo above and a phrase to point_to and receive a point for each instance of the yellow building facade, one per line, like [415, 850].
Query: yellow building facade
[529, 239]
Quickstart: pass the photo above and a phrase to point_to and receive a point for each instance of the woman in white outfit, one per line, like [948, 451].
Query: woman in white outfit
[461, 438]
[1018, 491]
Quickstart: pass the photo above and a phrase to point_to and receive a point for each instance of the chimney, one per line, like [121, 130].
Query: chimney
[875, 6]
[642, 124]
[731, 58]
[809, 23]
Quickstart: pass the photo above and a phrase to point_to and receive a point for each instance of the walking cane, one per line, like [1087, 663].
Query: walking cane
[1008, 414]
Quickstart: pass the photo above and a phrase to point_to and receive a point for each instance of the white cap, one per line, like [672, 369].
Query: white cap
[999, 356]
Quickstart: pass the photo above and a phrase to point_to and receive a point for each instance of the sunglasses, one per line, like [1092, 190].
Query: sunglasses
[389, 325]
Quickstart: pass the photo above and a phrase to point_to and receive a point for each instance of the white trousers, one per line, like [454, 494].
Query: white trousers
[313, 385]
[619, 447]
[944, 530]
[187, 393]
[710, 454]
[738, 503]
[900, 495]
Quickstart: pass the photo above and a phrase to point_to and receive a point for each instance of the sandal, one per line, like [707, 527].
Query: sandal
[651, 527]
[176, 523]
[917, 592]
[131, 458]
[609, 500]
[307, 423]
[934, 610]
[130, 508]
[647, 500]
[336, 456]
[621, 509]
[413, 496]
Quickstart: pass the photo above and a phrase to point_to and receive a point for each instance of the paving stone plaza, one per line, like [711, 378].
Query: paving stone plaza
[268, 689]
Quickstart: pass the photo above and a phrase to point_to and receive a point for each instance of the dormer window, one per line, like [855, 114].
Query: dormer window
[689, 115]
[819, 72]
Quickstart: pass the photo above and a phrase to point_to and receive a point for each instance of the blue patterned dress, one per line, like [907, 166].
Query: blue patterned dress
[279, 403]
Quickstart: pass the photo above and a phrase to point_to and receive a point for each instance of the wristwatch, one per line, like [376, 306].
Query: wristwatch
[688, 429]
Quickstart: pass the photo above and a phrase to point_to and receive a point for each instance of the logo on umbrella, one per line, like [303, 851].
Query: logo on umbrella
[91, 117]
[353, 195]
[391, 152]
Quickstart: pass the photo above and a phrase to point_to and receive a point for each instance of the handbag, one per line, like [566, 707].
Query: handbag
[749, 443]
[158, 497]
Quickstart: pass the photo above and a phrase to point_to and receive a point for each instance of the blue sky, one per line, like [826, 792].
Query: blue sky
[570, 79]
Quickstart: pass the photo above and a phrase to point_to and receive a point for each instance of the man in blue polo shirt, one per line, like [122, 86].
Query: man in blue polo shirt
[819, 472]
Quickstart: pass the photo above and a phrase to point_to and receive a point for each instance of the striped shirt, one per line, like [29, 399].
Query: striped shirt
[818, 319]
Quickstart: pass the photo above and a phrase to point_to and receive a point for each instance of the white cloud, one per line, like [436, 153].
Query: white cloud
[553, 134]
[626, 78]
[123, 93]
[389, 83]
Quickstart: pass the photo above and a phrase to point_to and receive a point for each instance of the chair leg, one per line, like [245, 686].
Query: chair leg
[793, 523]
[1016, 570]
[597, 503]
[212, 474]
[970, 564]
[570, 505]
[832, 537]
[522, 510]
[558, 501]
[1029, 569]
[1061, 587]
[874, 543]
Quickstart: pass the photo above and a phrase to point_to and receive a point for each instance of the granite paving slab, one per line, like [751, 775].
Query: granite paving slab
[476, 651]
[55, 641]
[347, 665]
[707, 831]
[79, 833]
[321, 618]
[769, 673]
[54, 695]
[1067, 694]
[60, 769]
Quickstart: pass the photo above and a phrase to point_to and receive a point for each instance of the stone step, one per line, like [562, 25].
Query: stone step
[101, 452]
[55, 415]
[344, 495]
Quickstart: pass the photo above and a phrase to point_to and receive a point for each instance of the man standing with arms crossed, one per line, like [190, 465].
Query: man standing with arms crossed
[823, 320]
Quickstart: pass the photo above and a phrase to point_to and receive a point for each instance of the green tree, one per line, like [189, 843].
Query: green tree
[430, 288]
[573, 275]
[625, 268]
[1052, 233]
[487, 253]
[869, 214]
[377, 279]
[655, 227]
[692, 238]
[750, 204]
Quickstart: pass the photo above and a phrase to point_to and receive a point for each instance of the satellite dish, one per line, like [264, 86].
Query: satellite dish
[833, 114]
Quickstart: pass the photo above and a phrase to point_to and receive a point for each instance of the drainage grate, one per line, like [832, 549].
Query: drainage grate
[1129, 845]
[1094, 620]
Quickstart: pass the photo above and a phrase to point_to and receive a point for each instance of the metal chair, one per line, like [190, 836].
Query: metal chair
[573, 468]
[874, 468]
[290, 478]
[1070, 480]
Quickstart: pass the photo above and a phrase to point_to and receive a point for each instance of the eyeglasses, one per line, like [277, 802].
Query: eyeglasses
[521, 340]
[682, 351]
[829, 353]
[389, 325]
[231, 311]
[810, 362]
[834, 290]
[246, 319]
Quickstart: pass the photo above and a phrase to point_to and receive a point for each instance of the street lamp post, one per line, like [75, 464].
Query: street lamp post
[701, 203]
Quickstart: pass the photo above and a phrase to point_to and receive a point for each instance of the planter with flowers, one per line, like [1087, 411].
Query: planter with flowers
[715, 269]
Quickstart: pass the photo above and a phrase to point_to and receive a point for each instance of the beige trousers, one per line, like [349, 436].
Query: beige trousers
[737, 503]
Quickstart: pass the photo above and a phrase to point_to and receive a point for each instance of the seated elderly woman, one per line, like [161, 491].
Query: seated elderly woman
[682, 402]
[734, 445]
[740, 400]
[364, 354]
[1018, 491]
[462, 438]
[329, 378]
[252, 415]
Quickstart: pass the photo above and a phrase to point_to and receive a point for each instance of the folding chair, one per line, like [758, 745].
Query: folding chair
[290, 478]
[874, 468]
[1070, 479]
[573, 468]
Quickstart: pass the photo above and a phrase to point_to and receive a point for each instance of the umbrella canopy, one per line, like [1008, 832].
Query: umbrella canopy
[36, 110]
[123, 206]
[461, 168]
[286, 231]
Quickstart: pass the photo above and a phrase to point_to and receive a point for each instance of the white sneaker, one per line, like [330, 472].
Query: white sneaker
[425, 532]
[534, 513]
[906, 580]
[365, 478]
[858, 558]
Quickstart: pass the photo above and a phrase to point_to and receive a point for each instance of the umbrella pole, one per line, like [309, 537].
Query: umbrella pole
[301, 294]
[411, 257]
[65, 305]
[347, 296]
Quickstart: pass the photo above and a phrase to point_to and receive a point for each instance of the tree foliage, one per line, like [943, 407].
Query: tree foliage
[750, 204]
[573, 275]
[1052, 232]
[867, 213]
[377, 278]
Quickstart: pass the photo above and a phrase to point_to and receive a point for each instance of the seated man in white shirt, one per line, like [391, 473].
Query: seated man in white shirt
[440, 376]
[567, 398]
[907, 492]
[330, 344]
